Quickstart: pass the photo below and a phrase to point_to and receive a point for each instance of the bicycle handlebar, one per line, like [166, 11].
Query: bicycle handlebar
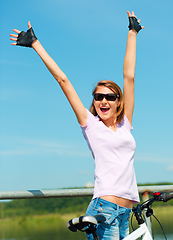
[157, 196]
[167, 196]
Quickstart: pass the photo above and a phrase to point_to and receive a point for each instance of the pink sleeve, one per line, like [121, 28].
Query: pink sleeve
[90, 120]
[127, 123]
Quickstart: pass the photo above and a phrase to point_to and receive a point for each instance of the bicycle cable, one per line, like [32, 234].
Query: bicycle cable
[158, 222]
[132, 215]
[145, 221]
[131, 221]
[160, 226]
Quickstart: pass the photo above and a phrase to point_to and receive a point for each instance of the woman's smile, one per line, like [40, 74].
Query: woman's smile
[104, 110]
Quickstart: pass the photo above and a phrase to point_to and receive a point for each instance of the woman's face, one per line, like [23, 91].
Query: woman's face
[107, 110]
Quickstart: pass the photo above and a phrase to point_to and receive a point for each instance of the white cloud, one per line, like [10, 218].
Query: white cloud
[9, 62]
[84, 172]
[25, 147]
[15, 94]
[169, 168]
[89, 185]
[13, 152]
[143, 157]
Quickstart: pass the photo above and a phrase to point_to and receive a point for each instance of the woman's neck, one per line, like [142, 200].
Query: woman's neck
[111, 123]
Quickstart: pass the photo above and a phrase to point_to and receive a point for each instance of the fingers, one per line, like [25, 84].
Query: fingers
[29, 24]
[139, 23]
[134, 23]
[14, 36]
[13, 43]
[13, 39]
[17, 31]
[131, 14]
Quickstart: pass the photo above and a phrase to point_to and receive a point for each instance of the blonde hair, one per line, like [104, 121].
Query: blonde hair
[116, 89]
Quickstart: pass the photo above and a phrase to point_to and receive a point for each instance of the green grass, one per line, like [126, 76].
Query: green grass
[49, 226]
[54, 226]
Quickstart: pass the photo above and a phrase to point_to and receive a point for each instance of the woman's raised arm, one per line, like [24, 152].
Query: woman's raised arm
[28, 39]
[129, 66]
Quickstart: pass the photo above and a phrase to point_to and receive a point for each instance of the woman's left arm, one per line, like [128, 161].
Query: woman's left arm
[129, 66]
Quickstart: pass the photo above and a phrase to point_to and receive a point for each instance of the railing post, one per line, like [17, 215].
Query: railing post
[145, 197]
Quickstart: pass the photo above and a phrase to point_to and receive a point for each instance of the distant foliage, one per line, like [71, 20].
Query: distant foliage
[156, 184]
[24, 207]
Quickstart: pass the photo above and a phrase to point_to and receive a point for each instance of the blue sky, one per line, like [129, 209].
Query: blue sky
[41, 144]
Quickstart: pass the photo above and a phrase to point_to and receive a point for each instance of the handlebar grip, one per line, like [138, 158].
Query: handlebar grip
[167, 196]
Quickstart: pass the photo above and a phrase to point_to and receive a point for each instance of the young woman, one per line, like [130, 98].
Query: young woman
[107, 130]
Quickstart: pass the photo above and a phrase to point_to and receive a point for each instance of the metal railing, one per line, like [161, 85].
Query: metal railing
[30, 194]
[73, 192]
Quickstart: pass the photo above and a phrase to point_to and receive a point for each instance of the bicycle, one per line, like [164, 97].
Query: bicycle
[89, 223]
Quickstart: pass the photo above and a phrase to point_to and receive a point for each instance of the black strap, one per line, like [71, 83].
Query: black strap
[26, 39]
[134, 24]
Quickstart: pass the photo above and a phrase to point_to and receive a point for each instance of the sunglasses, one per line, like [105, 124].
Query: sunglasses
[109, 96]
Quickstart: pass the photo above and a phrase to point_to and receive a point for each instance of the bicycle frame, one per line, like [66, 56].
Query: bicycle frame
[141, 231]
[92, 221]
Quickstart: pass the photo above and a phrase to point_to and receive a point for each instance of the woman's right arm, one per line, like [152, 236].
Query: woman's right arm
[61, 78]
[64, 83]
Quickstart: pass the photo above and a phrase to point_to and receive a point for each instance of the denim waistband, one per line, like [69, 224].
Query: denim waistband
[113, 207]
[111, 204]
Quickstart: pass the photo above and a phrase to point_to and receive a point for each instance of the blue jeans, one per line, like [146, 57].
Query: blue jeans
[116, 226]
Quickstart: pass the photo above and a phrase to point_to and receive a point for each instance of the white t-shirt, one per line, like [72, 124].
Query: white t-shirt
[114, 158]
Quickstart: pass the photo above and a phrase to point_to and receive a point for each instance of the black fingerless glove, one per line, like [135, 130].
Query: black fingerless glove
[133, 24]
[26, 39]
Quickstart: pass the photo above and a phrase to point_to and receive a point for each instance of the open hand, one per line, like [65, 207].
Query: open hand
[133, 22]
[24, 39]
